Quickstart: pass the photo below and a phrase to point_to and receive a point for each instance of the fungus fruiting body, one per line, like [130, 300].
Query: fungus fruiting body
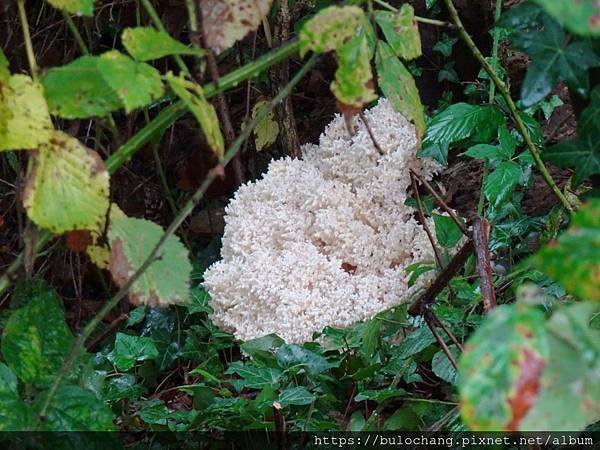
[323, 240]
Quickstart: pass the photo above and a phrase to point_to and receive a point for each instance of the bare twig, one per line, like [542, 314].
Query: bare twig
[92, 346]
[423, 221]
[446, 330]
[431, 324]
[279, 425]
[362, 116]
[481, 230]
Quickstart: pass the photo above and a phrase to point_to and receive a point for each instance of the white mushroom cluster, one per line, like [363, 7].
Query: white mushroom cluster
[324, 240]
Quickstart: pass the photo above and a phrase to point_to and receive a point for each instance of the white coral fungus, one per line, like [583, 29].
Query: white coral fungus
[324, 240]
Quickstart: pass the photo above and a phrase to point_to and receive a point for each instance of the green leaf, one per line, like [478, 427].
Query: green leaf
[79, 7]
[439, 152]
[290, 355]
[534, 129]
[15, 415]
[415, 342]
[380, 395]
[371, 338]
[267, 130]
[255, 377]
[136, 84]
[147, 43]
[570, 386]
[507, 142]
[67, 187]
[123, 387]
[483, 151]
[166, 281]
[398, 86]
[442, 367]
[153, 411]
[24, 119]
[262, 344]
[4, 69]
[446, 231]
[330, 28]
[574, 261]
[583, 152]
[499, 185]
[581, 17]
[76, 409]
[461, 120]
[78, 90]
[501, 368]
[226, 21]
[353, 77]
[298, 395]
[401, 31]
[36, 339]
[445, 44]
[129, 349]
[193, 97]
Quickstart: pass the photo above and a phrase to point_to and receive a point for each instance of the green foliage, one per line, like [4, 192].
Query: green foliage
[580, 17]
[15, 415]
[129, 349]
[446, 231]
[330, 29]
[79, 7]
[267, 130]
[400, 31]
[146, 43]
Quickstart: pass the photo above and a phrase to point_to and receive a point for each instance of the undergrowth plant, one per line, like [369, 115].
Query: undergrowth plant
[507, 336]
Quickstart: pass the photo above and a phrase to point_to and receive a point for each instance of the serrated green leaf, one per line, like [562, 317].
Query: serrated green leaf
[226, 21]
[15, 415]
[446, 231]
[353, 78]
[136, 84]
[499, 185]
[289, 355]
[123, 387]
[501, 368]
[24, 119]
[193, 97]
[36, 339]
[401, 31]
[129, 349]
[415, 342]
[398, 86]
[574, 261]
[330, 28]
[267, 130]
[570, 384]
[297, 395]
[147, 43]
[483, 151]
[67, 187]
[76, 409]
[167, 280]
[79, 7]
[581, 17]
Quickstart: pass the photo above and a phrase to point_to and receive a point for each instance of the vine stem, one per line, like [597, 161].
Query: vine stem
[27, 38]
[161, 122]
[426, 20]
[501, 86]
[75, 32]
[155, 254]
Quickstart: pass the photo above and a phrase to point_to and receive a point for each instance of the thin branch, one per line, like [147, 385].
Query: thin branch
[446, 330]
[423, 221]
[27, 38]
[75, 32]
[431, 324]
[439, 23]
[511, 106]
[362, 116]
[481, 230]
[156, 252]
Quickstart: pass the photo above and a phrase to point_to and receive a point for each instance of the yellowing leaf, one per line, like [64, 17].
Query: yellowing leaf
[67, 186]
[24, 119]
[330, 28]
[193, 96]
[226, 21]
[4, 70]
[266, 131]
[79, 7]
[401, 31]
[137, 84]
[98, 253]
[146, 43]
[166, 281]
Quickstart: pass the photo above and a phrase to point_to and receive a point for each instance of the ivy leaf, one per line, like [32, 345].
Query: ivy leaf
[401, 31]
[24, 119]
[290, 355]
[166, 280]
[297, 395]
[353, 84]
[193, 97]
[15, 415]
[255, 377]
[501, 368]
[570, 384]
[226, 21]
[67, 187]
[79, 7]
[267, 130]
[136, 84]
[583, 152]
[581, 17]
[460, 121]
[398, 86]
[446, 231]
[445, 44]
[147, 43]
[499, 184]
[129, 349]
[36, 339]
[574, 261]
[330, 28]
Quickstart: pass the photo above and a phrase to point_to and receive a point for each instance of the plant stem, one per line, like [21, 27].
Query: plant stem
[426, 20]
[27, 38]
[163, 120]
[75, 32]
[155, 254]
[511, 105]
